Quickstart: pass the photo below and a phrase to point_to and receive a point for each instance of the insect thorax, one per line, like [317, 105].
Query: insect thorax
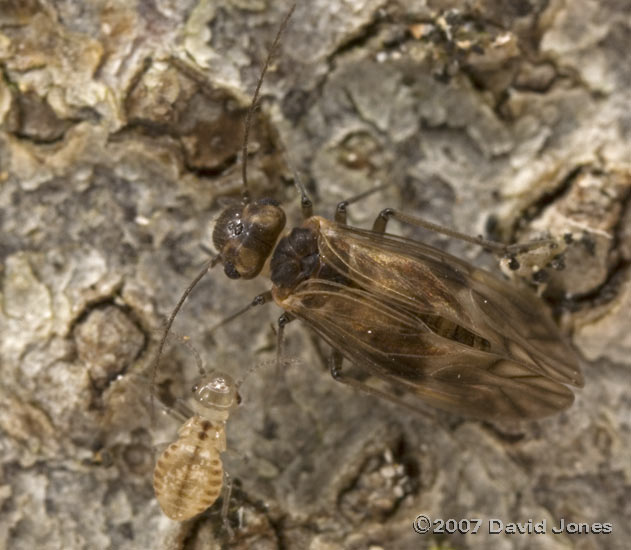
[200, 431]
[297, 258]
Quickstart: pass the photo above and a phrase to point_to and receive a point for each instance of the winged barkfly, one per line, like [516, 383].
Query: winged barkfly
[424, 322]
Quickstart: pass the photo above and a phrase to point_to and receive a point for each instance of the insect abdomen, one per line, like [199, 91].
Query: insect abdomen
[188, 475]
[452, 331]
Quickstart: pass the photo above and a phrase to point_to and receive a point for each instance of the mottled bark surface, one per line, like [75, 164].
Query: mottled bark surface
[120, 129]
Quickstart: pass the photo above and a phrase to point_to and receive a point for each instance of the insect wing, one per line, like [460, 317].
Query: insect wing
[428, 281]
[514, 366]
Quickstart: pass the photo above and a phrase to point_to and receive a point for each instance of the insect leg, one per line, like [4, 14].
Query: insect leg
[180, 411]
[306, 206]
[226, 492]
[258, 300]
[283, 320]
[502, 249]
[340, 211]
[335, 366]
[279, 377]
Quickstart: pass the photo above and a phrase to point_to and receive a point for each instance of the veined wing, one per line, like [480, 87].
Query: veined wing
[421, 280]
[398, 347]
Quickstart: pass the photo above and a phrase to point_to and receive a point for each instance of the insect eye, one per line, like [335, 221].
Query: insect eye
[194, 388]
[231, 271]
[513, 264]
[228, 225]
[235, 228]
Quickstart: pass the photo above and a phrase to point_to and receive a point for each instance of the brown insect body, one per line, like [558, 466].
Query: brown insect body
[188, 475]
[425, 321]
[422, 321]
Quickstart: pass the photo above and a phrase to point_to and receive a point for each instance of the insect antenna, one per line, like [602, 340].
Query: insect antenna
[212, 262]
[154, 371]
[253, 105]
[186, 341]
[286, 362]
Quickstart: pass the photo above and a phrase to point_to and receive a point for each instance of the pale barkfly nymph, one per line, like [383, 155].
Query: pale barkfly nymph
[420, 321]
[188, 476]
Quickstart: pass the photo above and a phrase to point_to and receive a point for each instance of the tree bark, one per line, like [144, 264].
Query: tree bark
[120, 142]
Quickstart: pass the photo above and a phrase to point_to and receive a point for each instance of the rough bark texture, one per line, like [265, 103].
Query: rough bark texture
[121, 123]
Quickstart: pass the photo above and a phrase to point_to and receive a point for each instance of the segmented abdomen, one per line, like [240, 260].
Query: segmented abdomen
[188, 475]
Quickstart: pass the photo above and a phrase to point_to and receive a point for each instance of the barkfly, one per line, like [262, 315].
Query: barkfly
[421, 321]
[188, 476]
